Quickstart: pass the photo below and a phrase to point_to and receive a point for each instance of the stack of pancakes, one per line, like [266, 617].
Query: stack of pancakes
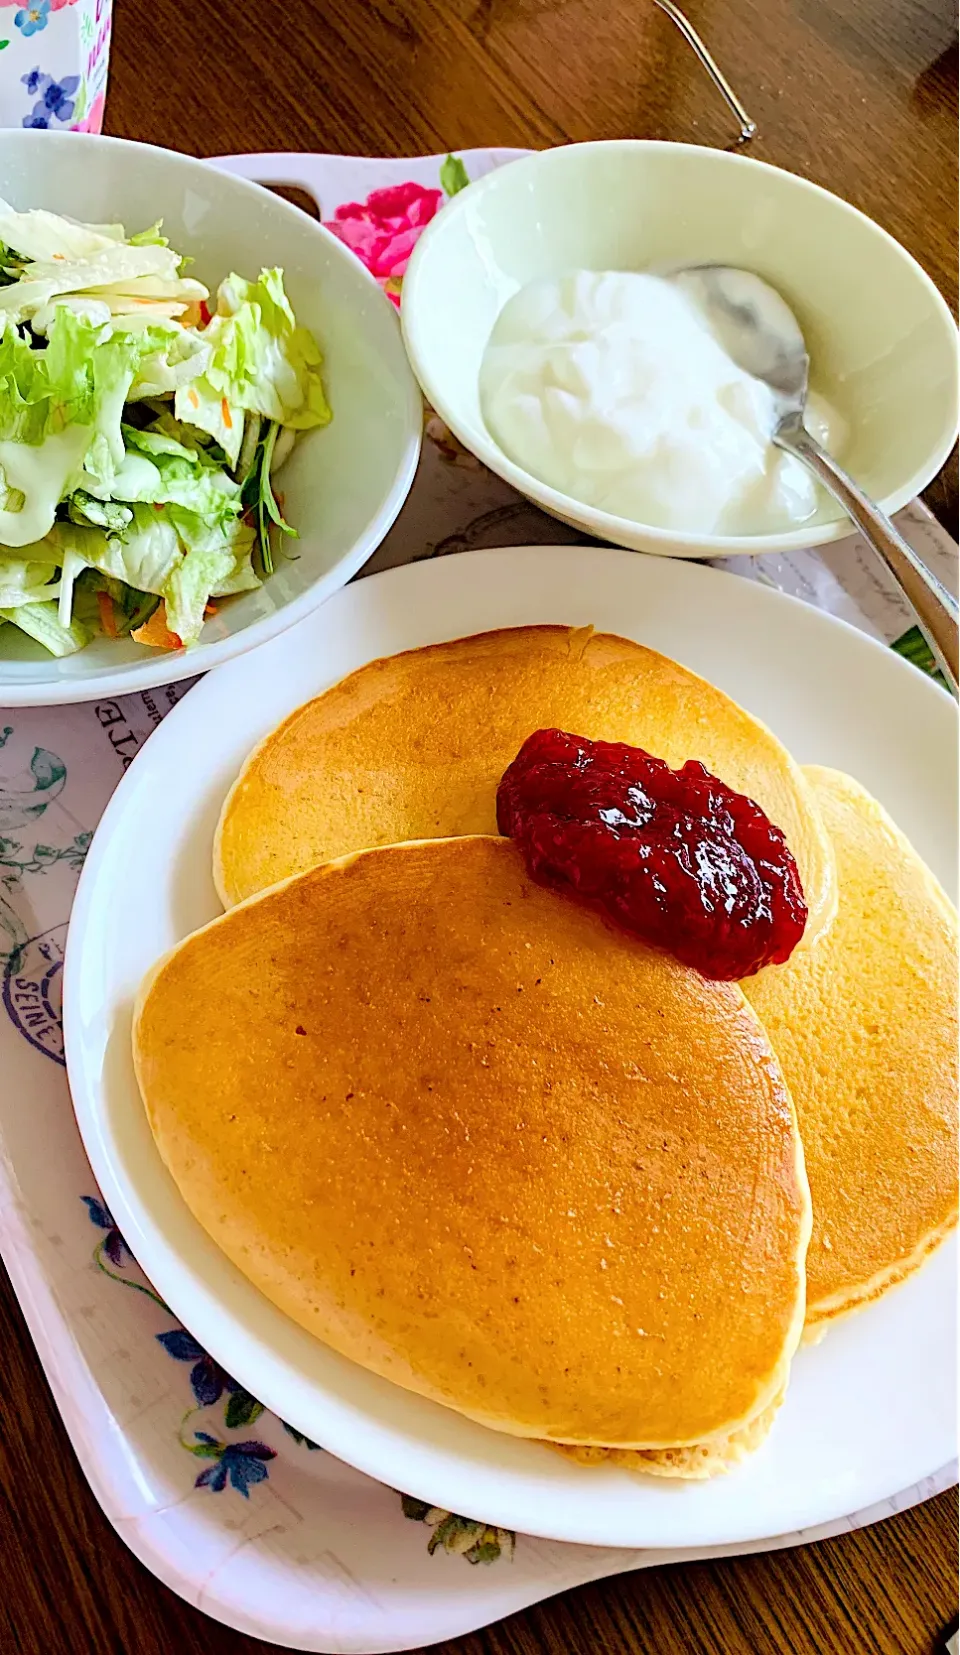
[487, 1145]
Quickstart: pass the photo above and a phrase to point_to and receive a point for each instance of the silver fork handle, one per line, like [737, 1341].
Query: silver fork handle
[936, 610]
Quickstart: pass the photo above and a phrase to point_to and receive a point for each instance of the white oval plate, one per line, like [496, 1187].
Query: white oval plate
[869, 1411]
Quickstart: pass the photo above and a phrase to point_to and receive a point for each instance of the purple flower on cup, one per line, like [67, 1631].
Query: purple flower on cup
[58, 96]
[57, 100]
[29, 20]
[35, 81]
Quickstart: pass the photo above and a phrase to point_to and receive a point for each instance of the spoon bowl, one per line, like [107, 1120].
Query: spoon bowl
[756, 327]
[753, 324]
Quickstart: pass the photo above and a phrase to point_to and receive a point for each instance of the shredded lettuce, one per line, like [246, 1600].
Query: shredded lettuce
[85, 509]
[137, 433]
[176, 554]
[209, 564]
[118, 277]
[259, 497]
[41, 235]
[60, 412]
[143, 555]
[261, 363]
[183, 477]
[178, 358]
[41, 621]
[150, 236]
[30, 577]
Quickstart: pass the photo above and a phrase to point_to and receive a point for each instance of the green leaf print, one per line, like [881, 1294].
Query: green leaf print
[47, 769]
[461, 1536]
[453, 175]
[242, 1409]
[298, 1437]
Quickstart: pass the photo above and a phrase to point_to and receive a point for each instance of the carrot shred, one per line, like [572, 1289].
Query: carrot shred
[155, 632]
[194, 399]
[108, 619]
[225, 411]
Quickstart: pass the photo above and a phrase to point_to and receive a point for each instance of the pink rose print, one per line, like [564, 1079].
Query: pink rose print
[94, 121]
[383, 230]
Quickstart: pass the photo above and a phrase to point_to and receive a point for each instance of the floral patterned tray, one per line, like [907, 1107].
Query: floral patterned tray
[223, 1502]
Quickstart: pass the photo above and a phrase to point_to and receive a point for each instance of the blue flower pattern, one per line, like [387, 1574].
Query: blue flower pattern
[113, 1243]
[236, 1465]
[239, 1463]
[31, 19]
[58, 96]
[208, 1381]
[57, 101]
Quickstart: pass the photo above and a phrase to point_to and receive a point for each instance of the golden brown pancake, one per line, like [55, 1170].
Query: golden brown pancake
[865, 1027]
[487, 1146]
[413, 747]
[693, 1463]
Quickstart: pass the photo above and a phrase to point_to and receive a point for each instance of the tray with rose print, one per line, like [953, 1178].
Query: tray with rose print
[226, 1505]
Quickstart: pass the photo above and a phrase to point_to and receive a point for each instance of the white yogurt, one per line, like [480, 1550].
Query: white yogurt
[611, 388]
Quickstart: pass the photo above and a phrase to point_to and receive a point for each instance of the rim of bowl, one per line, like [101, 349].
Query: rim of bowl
[625, 530]
[168, 669]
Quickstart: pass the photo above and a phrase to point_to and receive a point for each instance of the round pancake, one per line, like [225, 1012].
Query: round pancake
[487, 1146]
[413, 747]
[865, 1027]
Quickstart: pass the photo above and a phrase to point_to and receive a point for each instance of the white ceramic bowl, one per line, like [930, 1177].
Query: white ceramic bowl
[344, 484]
[882, 342]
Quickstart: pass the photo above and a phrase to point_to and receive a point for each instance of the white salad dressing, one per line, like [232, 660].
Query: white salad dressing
[611, 388]
[40, 474]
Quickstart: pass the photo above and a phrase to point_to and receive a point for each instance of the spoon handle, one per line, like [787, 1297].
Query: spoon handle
[936, 610]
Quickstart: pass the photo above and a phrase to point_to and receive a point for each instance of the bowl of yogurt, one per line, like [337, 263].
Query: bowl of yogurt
[547, 319]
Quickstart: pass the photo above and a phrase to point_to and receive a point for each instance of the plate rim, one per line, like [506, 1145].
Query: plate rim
[83, 1088]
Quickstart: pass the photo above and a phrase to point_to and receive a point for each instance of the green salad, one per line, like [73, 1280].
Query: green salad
[140, 424]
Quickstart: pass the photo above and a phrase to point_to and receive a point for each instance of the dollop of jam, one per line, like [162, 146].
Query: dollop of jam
[675, 856]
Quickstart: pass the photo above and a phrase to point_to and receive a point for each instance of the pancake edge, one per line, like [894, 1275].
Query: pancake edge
[827, 1312]
[695, 1462]
[834, 1307]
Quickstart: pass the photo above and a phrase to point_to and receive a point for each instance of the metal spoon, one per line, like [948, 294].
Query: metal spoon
[757, 328]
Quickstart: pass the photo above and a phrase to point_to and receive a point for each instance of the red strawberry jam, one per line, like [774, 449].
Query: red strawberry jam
[675, 856]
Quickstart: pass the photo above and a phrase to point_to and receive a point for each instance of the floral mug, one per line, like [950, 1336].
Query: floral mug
[53, 63]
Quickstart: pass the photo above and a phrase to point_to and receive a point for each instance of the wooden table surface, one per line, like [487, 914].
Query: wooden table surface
[859, 95]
